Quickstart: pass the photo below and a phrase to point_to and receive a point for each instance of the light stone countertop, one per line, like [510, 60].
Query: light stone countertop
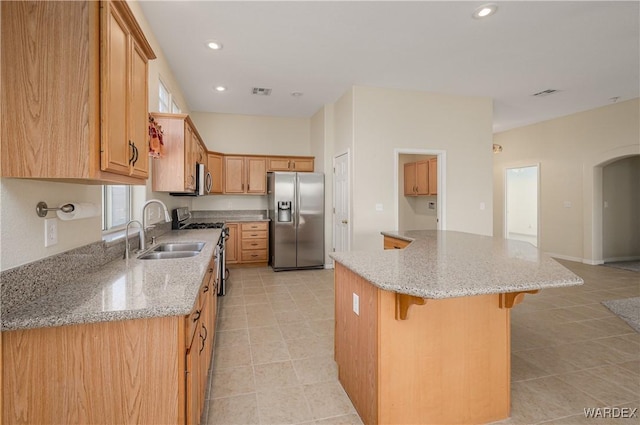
[448, 264]
[122, 290]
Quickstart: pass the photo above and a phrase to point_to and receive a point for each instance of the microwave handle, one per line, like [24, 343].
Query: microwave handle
[208, 183]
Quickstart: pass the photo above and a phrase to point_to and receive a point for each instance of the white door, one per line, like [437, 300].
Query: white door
[341, 224]
[521, 201]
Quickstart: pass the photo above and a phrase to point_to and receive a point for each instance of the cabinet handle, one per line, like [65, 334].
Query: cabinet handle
[206, 289]
[210, 269]
[133, 153]
[253, 234]
[204, 338]
[195, 319]
[294, 165]
[288, 164]
[254, 244]
[396, 247]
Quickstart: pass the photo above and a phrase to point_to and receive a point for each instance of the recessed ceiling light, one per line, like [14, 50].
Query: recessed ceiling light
[221, 88]
[214, 45]
[485, 10]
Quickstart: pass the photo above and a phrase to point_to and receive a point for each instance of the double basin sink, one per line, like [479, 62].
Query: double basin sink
[172, 250]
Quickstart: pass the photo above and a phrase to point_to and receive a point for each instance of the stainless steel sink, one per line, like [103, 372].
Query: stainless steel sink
[172, 250]
[179, 246]
[163, 255]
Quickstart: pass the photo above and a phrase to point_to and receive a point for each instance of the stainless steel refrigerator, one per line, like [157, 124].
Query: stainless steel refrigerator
[296, 210]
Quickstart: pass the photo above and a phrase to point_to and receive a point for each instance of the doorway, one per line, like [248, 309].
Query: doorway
[341, 202]
[521, 204]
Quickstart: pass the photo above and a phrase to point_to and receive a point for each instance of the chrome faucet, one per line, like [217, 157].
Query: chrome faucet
[167, 217]
[126, 238]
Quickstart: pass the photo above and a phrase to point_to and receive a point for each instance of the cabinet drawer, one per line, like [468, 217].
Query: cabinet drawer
[393, 243]
[254, 226]
[256, 255]
[256, 234]
[254, 244]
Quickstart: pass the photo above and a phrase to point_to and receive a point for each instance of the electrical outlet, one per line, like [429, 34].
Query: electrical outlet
[379, 207]
[482, 206]
[356, 304]
[50, 232]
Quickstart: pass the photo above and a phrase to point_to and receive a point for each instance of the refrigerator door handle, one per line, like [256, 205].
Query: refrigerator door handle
[297, 198]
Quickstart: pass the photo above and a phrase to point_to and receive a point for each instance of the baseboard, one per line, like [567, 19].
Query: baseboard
[328, 266]
[593, 262]
[565, 257]
[616, 259]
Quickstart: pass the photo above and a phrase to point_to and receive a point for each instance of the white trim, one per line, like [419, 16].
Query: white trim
[442, 181]
[565, 257]
[617, 259]
[333, 214]
[329, 266]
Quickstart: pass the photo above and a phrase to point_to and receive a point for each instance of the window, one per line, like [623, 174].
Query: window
[166, 103]
[116, 201]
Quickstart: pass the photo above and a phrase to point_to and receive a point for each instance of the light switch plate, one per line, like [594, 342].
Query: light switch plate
[356, 304]
[50, 232]
[379, 207]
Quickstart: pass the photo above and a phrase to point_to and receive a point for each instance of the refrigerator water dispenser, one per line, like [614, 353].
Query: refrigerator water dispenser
[284, 211]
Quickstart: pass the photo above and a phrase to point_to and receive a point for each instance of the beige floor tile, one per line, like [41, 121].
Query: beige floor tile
[240, 410]
[522, 369]
[292, 316]
[548, 360]
[229, 323]
[283, 406]
[232, 337]
[620, 376]
[255, 299]
[265, 334]
[313, 370]
[232, 310]
[261, 318]
[632, 366]
[232, 381]
[352, 419]
[269, 352]
[609, 326]
[323, 326]
[327, 399]
[232, 356]
[606, 392]
[296, 330]
[275, 375]
[282, 306]
[588, 354]
[313, 346]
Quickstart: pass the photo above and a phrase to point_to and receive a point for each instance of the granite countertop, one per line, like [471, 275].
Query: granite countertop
[448, 264]
[124, 289]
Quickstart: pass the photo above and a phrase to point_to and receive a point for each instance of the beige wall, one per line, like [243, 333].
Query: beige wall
[571, 152]
[621, 214]
[385, 120]
[22, 232]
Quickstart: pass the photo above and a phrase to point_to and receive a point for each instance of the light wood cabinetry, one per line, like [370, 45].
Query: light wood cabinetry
[417, 178]
[394, 243]
[231, 245]
[245, 174]
[148, 371]
[175, 171]
[215, 168]
[254, 242]
[75, 107]
[291, 163]
[446, 362]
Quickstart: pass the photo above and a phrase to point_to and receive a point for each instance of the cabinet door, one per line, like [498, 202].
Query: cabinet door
[215, 168]
[410, 179]
[231, 246]
[117, 148]
[302, 165]
[189, 163]
[278, 164]
[193, 382]
[138, 116]
[234, 174]
[256, 175]
[433, 176]
[422, 177]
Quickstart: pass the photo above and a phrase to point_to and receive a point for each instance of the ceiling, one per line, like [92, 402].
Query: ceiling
[588, 51]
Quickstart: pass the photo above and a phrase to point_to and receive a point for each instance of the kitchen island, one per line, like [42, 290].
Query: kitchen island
[423, 333]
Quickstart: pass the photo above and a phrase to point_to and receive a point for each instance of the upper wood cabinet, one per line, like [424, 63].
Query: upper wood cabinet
[292, 163]
[245, 174]
[75, 107]
[175, 171]
[417, 177]
[215, 168]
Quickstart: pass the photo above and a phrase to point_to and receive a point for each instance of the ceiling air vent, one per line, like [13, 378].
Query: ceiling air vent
[260, 91]
[545, 92]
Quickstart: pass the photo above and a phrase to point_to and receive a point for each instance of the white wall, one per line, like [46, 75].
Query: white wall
[621, 215]
[522, 199]
[385, 120]
[571, 151]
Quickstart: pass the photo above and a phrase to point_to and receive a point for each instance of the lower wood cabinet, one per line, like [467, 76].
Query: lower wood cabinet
[394, 243]
[248, 243]
[146, 371]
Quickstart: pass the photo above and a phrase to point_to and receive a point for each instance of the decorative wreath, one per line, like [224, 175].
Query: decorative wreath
[156, 146]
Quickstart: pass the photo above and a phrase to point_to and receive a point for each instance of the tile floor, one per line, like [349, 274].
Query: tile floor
[274, 351]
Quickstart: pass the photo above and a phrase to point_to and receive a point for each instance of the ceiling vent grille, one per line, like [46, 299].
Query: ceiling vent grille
[261, 91]
[545, 92]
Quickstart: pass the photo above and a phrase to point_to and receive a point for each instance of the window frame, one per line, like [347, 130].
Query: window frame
[107, 201]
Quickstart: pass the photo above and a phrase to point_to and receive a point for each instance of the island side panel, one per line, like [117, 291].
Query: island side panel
[112, 372]
[448, 363]
[356, 341]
